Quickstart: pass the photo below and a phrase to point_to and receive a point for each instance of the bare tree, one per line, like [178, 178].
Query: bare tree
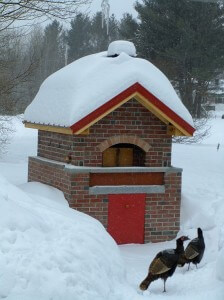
[16, 67]
[202, 131]
[16, 70]
[29, 10]
[6, 130]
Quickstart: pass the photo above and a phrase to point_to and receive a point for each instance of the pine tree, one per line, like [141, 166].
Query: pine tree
[128, 28]
[53, 49]
[185, 39]
[99, 38]
[113, 29]
[78, 37]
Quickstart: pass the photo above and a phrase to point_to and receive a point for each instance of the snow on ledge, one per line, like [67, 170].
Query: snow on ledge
[83, 169]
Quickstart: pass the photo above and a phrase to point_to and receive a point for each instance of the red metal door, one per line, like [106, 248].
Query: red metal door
[126, 218]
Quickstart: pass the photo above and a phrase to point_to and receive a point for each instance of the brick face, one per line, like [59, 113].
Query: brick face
[75, 188]
[162, 219]
[131, 120]
[162, 212]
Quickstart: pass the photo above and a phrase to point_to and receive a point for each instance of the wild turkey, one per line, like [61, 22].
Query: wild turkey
[164, 264]
[194, 251]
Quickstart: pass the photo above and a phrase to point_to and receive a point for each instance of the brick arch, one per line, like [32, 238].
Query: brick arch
[124, 139]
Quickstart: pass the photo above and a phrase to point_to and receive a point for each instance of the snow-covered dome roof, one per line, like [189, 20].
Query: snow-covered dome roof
[80, 88]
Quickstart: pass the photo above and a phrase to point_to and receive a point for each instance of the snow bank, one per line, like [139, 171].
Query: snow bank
[44, 194]
[220, 265]
[220, 260]
[49, 251]
[203, 197]
[221, 239]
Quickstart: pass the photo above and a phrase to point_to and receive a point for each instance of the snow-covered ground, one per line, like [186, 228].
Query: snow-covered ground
[48, 251]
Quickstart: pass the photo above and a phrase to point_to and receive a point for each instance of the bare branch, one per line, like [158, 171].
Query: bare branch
[202, 131]
[6, 130]
[11, 11]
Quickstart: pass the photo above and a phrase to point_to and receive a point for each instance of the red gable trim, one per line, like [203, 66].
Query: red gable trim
[165, 109]
[126, 93]
[104, 108]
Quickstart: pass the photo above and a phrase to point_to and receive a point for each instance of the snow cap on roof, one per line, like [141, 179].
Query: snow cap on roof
[117, 47]
[74, 92]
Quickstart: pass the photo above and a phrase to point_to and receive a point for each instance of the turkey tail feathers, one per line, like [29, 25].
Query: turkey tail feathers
[158, 267]
[191, 253]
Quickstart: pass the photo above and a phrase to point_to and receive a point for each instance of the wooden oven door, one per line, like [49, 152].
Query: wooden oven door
[126, 218]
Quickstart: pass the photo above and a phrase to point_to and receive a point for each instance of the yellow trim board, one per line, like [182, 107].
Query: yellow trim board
[176, 131]
[106, 113]
[171, 130]
[85, 132]
[161, 115]
[179, 131]
[64, 130]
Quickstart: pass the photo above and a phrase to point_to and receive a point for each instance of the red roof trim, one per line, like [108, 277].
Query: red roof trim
[104, 108]
[123, 95]
[165, 109]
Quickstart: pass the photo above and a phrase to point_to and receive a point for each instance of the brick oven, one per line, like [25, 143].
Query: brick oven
[111, 154]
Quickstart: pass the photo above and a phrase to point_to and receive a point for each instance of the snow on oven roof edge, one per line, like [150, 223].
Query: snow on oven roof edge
[73, 92]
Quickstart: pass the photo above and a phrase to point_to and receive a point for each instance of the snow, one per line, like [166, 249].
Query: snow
[81, 87]
[48, 251]
[22, 144]
[220, 265]
[117, 47]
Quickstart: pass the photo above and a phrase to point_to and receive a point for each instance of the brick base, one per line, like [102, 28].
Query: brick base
[162, 214]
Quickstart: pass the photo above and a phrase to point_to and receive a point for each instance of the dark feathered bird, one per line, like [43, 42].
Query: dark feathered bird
[194, 251]
[164, 264]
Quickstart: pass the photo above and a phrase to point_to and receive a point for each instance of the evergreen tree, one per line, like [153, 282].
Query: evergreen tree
[128, 28]
[53, 49]
[100, 40]
[185, 39]
[34, 54]
[99, 37]
[78, 37]
[113, 29]
[46, 52]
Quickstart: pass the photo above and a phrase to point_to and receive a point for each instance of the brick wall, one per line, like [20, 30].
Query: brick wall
[162, 219]
[162, 210]
[133, 121]
[50, 174]
[74, 186]
[129, 119]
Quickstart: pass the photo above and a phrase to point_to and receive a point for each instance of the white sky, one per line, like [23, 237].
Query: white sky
[117, 7]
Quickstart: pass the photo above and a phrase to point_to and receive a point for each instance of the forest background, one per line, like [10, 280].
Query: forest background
[183, 38]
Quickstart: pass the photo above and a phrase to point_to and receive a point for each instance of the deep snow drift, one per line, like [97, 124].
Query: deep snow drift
[50, 252]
